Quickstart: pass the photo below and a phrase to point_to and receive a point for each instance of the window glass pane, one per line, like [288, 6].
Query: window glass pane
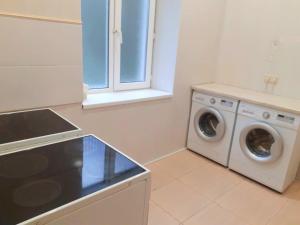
[135, 19]
[95, 14]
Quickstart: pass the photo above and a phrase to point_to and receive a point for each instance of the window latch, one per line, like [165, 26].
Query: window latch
[118, 34]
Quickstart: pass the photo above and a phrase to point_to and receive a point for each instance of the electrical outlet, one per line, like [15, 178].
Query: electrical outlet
[270, 79]
[267, 79]
[274, 80]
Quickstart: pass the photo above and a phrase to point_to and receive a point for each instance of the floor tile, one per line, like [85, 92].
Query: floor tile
[293, 192]
[182, 163]
[215, 215]
[166, 170]
[289, 215]
[159, 176]
[192, 190]
[252, 202]
[212, 181]
[157, 216]
[179, 200]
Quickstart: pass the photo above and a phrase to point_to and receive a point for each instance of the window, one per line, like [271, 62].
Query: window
[117, 43]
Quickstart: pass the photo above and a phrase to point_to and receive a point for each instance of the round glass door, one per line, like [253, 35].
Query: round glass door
[261, 142]
[209, 124]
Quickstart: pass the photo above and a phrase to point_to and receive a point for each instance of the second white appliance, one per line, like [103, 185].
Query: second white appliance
[211, 126]
[266, 146]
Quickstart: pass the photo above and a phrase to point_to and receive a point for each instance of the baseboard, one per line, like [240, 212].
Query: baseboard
[165, 156]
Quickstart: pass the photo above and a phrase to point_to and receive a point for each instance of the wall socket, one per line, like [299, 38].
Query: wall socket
[271, 80]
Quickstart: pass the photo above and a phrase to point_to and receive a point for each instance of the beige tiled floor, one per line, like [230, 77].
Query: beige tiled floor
[188, 189]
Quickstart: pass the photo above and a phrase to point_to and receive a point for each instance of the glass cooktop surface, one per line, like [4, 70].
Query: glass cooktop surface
[31, 124]
[41, 179]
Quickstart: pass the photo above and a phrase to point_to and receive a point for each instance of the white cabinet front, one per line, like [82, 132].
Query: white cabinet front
[126, 207]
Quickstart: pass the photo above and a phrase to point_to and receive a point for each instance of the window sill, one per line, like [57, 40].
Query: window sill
[123, 97]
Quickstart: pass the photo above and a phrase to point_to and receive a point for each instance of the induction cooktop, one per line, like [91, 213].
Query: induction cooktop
[29, 125]
[41, 179]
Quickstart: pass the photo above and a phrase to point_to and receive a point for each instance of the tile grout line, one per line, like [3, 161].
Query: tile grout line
[177, 178]
[234, 214]
[277, 212]
[268, 220]
[226, 192]
[198, 212]
[162, 186]
[229, 210]
[171, 181]
[165, 156]
[217, 201]
[167, 212]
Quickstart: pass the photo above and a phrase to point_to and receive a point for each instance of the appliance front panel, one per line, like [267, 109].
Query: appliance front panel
[215, 150]
[216, 102]
[272, 174]
[277, 118]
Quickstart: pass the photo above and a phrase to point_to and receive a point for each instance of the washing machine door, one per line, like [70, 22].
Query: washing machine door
[261, 142]
[209, 124]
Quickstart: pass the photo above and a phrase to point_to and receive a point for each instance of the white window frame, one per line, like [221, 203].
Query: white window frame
[115, 43]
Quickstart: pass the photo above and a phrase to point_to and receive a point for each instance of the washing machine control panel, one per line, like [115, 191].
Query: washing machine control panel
[227, 103]
[216, 102]
[286, 119]
[271, 116]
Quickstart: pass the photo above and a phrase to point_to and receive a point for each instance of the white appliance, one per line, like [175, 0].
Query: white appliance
[266, 146]
[78, 181]
[211, 126]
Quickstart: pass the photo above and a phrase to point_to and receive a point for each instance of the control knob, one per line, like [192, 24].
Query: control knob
[212, 101]
[266, 115]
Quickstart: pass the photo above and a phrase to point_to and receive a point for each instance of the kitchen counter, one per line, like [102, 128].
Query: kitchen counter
[267, 100]
[33, 127]
[68, 182]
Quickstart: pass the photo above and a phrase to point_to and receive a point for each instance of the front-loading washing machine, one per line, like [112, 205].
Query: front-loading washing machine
[211, 126]
[266, 146]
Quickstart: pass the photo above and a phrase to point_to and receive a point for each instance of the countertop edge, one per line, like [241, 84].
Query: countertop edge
[208, 89]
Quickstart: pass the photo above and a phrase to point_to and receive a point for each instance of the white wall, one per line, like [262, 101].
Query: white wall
[247, 51]
[165, 44]
[150, 130]
[59, 9]
[146, 130]
[40, 60]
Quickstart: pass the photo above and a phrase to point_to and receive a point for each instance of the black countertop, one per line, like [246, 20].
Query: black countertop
[31, 124]
[36, 181]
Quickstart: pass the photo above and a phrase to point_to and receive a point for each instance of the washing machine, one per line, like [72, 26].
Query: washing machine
[266, 146]
[211, 126]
